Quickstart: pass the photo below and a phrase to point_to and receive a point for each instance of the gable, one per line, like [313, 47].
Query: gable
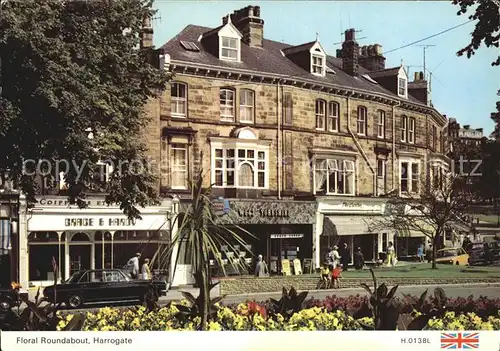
[317, 49]
[229, 30]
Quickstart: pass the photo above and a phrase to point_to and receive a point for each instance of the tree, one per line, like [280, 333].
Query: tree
[487, 28]
[437, 207]
[202, 233]
[70, 68]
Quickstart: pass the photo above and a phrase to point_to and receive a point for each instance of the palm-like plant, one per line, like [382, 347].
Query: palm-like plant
[201, 232]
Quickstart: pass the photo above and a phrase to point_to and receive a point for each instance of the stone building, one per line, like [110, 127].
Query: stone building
[301, 146]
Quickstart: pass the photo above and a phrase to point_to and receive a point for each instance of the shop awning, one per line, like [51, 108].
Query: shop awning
[354, 225]
[5, 235]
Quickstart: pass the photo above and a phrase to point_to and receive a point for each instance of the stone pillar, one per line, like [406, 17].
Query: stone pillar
[92, 250]
[67, 238]
[317, 229]
[59, 255]
[112, 232]
[22, 233]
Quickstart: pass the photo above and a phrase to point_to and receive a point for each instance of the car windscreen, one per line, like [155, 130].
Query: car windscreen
[91, 277]
[74, 278]
[447, 253]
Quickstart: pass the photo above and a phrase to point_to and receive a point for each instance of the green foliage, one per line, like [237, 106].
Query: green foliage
[487, 27]
[195, 306]
[37, 316]
[74, 65]
[201, 232]
[385, 312]
[290, 303]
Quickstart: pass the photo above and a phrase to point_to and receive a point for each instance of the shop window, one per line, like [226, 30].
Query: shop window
[334, 176]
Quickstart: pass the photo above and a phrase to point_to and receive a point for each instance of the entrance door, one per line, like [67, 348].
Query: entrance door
[79, 257]
[183, 274]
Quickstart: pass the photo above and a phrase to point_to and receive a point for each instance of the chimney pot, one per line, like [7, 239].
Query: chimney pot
[350, 34]
[417, 76]
[421, 75]
[256, 11]
[378, 49]
[250, 11]
[339, 53]
[364, 51]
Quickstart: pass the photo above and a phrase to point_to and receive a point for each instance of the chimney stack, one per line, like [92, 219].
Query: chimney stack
[247, 20]
[350, 53]
[146, 33]
[371, 58]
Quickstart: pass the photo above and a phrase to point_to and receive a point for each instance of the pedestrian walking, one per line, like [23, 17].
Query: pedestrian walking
[420, 253]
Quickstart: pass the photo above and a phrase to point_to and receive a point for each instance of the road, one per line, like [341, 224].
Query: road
[489, 290]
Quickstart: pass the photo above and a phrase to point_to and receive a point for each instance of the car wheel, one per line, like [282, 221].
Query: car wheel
[5, 305]
[74, 301]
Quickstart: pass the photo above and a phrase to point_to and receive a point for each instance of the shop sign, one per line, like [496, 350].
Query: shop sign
[287, 236]
[63, 202]
[263, 212]
[63, 222]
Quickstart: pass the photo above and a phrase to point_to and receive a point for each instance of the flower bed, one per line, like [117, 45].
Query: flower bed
[252, 316]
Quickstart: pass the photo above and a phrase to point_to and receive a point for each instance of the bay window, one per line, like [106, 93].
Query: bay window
[240, 167]
[334, 176]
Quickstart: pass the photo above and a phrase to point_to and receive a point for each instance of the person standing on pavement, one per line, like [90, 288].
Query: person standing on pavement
[359, 259]
[133, 266]
[261, 268]
[146, 271]
[335, 257]
[345, 257]
[391, 255]
[420, 253]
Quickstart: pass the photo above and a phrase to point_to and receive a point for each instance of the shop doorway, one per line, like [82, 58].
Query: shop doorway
[283, 247]
[79, 257]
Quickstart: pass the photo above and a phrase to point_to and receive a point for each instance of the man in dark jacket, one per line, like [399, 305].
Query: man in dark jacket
[345, 257]
[359, 259]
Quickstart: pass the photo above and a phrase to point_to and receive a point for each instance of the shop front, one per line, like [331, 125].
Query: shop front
[98, 236]
[280, 231]
[357, 222]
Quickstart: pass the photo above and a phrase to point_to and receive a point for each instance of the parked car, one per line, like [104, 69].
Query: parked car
[8, 299]
[455, 255]
[101, 285]
[484, 254]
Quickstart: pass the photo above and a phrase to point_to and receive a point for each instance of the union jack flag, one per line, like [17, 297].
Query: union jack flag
[459, 341]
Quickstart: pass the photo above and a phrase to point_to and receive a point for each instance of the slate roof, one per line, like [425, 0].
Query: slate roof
[388, 72]
[269, 59]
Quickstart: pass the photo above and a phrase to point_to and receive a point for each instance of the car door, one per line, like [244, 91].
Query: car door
[118, 287]
[92, 286]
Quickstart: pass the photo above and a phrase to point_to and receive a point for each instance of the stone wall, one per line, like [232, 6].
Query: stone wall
[204, 117]
[250, 285]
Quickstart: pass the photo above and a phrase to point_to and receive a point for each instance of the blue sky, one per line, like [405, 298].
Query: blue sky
[461, 88]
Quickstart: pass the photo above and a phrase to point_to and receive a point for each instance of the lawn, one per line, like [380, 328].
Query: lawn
[492, 219]
[424, 270]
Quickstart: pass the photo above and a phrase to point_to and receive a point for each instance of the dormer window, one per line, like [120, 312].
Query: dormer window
[402, 86]
[229, 42]
[317, 65]
[229, 48]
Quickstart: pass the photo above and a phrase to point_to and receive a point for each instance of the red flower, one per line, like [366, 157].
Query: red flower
[254, 307]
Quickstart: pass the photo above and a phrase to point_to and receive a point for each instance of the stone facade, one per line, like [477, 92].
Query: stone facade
[298, 139]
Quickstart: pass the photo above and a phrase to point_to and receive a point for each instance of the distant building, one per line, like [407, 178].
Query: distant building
[463, 134]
